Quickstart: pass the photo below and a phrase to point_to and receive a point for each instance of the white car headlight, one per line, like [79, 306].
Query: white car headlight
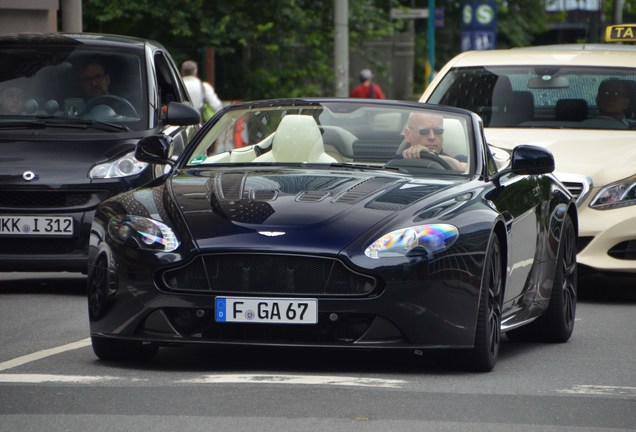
[125, 166]
[620, 194]
[430, 238]
[144, 232]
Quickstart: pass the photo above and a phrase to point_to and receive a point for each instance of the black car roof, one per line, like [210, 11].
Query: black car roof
[62, 39]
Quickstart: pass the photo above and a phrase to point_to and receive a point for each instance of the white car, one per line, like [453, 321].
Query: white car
[546, 96]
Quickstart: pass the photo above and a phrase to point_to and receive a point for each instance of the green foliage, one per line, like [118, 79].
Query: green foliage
[284, 48]
[263, 48]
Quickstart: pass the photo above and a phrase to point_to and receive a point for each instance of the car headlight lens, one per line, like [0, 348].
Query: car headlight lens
[125, 166]
[401, 242]
[620, 194]
[145, 233]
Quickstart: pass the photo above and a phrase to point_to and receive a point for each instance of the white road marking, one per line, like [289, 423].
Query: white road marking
[295, 379]
[19, 361]
[43, 378]
[600, 390]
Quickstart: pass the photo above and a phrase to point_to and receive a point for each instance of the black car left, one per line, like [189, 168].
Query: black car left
[340, 223]
[73, 107]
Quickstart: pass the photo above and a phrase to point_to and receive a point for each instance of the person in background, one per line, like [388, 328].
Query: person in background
[425, 133]
[612, 100]
[11, 100]
[93, 79]
[367, 88]
[200, 91]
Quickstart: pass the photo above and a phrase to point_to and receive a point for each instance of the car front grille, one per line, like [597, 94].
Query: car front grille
[44, 199]
[39, 246]
[578, 185]
[268, 274]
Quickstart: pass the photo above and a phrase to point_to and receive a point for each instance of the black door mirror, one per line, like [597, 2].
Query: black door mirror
[155, 149]
[180, 114]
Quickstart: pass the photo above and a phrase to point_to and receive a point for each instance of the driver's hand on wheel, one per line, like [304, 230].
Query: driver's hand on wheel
[413, 152]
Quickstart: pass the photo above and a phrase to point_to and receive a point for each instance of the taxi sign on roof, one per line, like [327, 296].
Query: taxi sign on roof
[620, 33]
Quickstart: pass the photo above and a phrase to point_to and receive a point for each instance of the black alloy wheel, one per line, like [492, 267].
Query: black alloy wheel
[483, 356]
[557, 322]
[98, 289]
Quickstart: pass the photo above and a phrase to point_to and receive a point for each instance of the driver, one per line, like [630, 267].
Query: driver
[93, 79]
[425, 132]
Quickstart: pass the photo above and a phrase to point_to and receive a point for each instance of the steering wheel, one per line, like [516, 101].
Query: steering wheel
[119, 104]
[432, 158]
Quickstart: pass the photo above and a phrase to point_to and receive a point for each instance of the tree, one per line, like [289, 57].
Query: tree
[264, 49]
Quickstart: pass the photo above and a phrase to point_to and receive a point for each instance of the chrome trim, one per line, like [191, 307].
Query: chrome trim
[584, 182]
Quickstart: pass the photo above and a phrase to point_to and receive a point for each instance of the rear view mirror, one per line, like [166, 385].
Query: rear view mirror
[548, 81]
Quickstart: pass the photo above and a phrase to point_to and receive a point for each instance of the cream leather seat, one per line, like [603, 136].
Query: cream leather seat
[297, 139]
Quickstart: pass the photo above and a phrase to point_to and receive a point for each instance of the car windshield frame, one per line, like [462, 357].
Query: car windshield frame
[33, 68]
[349, 134]
[533, 96]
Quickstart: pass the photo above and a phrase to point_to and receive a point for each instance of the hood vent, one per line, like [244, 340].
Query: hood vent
[312, 196]
[232, 185]
[363, 189]
[264, 195]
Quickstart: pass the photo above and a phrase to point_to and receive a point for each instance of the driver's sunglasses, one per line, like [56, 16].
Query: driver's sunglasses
[436, 131]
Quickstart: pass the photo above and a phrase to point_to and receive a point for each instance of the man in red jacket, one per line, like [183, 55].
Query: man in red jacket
[367, 88]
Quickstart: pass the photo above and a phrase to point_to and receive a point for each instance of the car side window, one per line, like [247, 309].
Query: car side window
[169, 87]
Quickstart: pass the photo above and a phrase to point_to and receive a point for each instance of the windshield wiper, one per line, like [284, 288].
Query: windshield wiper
[41, 122]
[365, 167]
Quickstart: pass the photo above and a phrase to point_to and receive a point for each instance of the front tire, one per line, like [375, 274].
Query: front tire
[483, 356]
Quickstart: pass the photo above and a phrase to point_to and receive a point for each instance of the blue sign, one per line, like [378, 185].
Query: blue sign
[479, 22]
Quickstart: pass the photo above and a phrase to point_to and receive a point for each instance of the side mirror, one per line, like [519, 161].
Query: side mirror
[528, 160]
[156, 149]
[531, 160]
[180, 114]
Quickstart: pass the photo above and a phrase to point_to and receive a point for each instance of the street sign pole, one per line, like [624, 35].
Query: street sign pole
[430, 70]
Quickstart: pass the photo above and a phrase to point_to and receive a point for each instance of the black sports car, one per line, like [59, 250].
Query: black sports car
[72, 109]
[336, 223]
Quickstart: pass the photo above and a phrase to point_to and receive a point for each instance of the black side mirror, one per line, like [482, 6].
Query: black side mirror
[528, 160]
[180, 114]
[155, 149]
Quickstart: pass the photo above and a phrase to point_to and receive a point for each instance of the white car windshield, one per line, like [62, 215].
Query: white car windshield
[542, 97]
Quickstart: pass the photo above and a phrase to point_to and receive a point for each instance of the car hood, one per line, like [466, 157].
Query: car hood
[319, 211]
[56, 161]
[603, 155]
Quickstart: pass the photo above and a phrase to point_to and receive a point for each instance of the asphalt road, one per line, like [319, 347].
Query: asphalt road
[50, 379]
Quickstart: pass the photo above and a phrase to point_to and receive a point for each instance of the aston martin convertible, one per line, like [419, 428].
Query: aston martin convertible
[336, 224]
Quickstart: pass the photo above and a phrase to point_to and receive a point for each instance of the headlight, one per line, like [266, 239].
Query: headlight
[429, 238]
[620, 194]
[145, 233]
[125, 166]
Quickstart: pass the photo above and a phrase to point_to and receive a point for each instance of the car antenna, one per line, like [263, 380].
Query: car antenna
[587, 30]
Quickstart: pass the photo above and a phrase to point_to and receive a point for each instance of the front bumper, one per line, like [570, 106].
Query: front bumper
[610, 239]
[437, 311]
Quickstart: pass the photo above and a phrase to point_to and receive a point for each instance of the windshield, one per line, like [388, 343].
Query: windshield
[72, 84]
[345, 134]
[553, 97]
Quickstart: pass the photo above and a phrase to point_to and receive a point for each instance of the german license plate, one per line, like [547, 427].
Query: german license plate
[36, 225]
[266, 310]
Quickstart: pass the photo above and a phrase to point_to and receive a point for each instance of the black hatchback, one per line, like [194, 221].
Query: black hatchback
[72, 108]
